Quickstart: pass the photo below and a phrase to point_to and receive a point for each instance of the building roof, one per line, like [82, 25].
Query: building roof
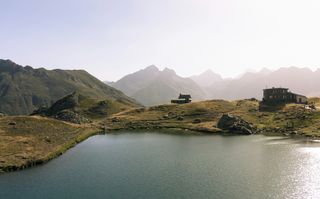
[286, 89]
[184, 96]
[273, 88]
[300, 95]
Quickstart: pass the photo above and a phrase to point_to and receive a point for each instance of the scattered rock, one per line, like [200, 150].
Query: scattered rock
[47, 139]
[235, 124]
[180, 118]
[165, 116]
[71, 116]
[294, 132]
[2, 115]
[196, 121]
[115, 119]
[12, 123]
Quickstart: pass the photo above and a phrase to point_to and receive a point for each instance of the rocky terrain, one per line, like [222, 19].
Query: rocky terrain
[220, 116]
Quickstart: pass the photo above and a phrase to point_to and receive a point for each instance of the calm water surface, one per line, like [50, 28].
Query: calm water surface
[154, 165]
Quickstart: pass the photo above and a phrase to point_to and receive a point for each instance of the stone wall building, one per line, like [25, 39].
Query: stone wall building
[282, 95]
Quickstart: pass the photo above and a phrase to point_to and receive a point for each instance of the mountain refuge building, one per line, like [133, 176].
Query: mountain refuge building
[282, 95]
[182, 99]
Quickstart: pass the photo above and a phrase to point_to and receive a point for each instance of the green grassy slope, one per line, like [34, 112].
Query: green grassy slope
[24, 89]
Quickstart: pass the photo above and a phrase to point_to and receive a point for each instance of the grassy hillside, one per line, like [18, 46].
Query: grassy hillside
[24, 89]
[203, 116]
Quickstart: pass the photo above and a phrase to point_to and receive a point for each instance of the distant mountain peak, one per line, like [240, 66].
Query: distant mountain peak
[294, 69]
[153, 88]
[265, 71]
[152, 68]
[210, 73]
[207, 78]
[168, 71]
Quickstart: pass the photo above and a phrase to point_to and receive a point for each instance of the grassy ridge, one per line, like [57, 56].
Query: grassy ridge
[203, 116]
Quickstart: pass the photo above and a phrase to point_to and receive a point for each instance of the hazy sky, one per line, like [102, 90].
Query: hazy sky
[110, 38]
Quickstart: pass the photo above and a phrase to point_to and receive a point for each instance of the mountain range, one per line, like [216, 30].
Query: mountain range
[299, 80]
[151, 86]
[25, 89]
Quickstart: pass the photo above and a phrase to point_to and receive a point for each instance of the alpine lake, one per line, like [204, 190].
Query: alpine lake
[167, 165]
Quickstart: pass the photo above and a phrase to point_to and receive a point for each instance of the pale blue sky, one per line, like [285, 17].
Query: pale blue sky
[110, 38]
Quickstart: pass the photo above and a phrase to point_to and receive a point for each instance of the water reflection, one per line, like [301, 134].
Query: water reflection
[150, 165]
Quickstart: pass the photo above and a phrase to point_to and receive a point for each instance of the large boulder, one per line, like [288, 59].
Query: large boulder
[235, 124]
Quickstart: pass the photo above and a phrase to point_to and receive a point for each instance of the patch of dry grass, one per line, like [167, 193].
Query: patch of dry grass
[25, 141]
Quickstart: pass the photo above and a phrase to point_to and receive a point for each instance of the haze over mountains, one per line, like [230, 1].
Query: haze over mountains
[299, 80]
[24, 89]
[152, 86]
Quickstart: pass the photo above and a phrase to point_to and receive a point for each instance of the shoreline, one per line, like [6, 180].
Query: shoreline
[90, 133]
[52, 155]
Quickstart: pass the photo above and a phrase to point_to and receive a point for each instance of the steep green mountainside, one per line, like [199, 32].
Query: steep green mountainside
[151, 86]
[24, 89]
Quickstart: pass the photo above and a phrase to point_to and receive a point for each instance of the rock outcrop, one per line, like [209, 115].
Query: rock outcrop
[64, 109]
[71, 116]
[235, 124]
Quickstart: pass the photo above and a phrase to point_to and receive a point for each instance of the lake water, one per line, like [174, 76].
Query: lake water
[155, 165]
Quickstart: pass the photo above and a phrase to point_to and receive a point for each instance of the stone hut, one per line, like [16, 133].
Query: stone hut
[282, 95]
[182, 99]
